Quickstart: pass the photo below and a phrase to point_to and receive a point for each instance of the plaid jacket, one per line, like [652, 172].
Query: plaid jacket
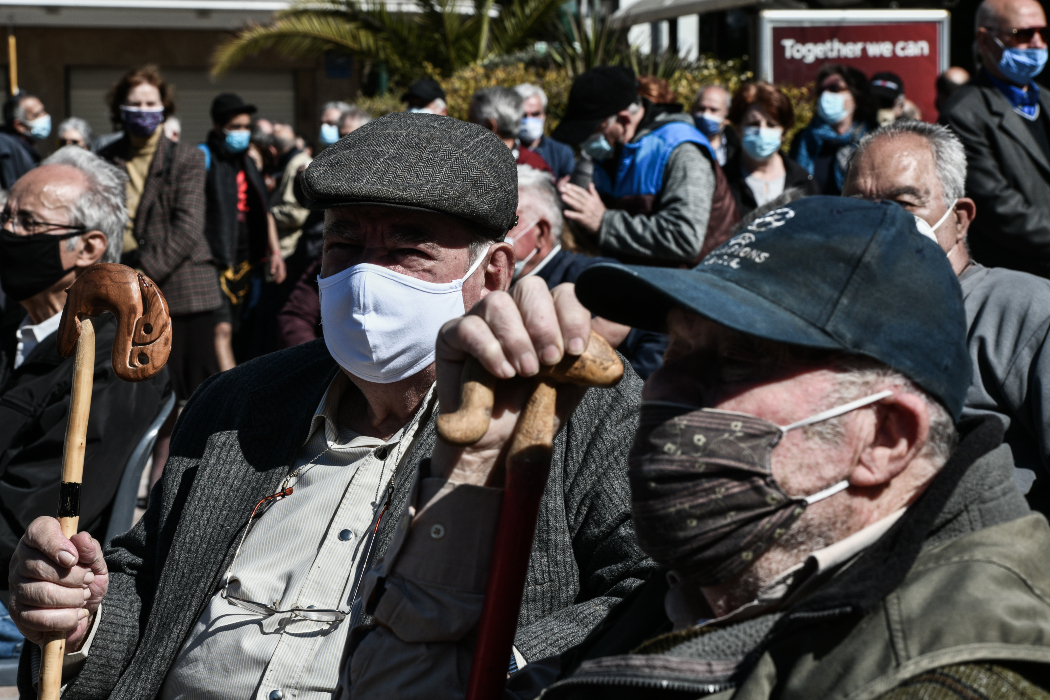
[169, 226]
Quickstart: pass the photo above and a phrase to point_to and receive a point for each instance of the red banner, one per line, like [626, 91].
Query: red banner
[908, 49]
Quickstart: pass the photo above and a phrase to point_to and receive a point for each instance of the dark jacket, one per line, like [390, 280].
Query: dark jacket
[34, 409]
[220, 219]
[17, 157]
[557, 154]
[299, 320]
[169, 226]
[796, 176]
[916, 600]
[1008, 177]
[237, 440]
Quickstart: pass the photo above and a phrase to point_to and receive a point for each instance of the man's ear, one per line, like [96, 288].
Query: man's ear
[899, 433]
[965, 211]
[544, 239]
[499, 271]
[93, 247]
[490, 124]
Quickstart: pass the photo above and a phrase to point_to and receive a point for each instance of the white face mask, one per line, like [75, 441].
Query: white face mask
[519, 265]
[930, 231]
[381, 325]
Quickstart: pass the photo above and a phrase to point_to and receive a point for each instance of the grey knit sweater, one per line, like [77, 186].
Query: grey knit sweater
[236, 440]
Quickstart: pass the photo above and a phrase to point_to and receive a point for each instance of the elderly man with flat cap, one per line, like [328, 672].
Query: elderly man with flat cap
[827, 524]
[288, 475]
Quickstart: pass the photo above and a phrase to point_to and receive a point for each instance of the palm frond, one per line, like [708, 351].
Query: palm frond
[521, 23]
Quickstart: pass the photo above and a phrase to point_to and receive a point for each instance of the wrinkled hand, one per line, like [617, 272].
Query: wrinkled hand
[277, 269]
[585, 205]
[56, 583]
[511, 334]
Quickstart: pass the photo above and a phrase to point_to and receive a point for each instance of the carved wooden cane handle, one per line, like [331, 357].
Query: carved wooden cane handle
[597, 366]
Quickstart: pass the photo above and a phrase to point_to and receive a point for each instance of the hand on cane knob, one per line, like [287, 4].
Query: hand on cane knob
[527, 333]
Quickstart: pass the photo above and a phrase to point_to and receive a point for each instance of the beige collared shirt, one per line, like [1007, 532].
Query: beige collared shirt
[305, 550]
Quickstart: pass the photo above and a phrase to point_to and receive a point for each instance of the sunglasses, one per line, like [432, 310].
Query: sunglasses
[1024, 36]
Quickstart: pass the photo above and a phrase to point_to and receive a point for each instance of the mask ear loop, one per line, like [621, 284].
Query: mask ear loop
[823, 416]
[837, 411]
[477, 263]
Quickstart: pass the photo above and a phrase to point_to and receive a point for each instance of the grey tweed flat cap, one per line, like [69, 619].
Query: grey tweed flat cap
[423, 162]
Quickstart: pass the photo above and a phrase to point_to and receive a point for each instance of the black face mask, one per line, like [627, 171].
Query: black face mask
[31, 264]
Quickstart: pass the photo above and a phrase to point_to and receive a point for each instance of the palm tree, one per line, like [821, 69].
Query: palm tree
[435, 34]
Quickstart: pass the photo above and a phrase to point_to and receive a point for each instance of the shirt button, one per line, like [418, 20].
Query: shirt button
[437, 531]
[346, 535]
[276, 694]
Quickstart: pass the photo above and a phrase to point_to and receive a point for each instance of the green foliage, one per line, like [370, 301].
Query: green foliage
[583, 43]
[435, 35]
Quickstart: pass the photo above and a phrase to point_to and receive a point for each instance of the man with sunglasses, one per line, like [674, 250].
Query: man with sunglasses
[61, 218]
[1003, 119]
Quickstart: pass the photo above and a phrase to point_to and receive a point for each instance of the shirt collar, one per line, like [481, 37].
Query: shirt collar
[1025, 101]
[327, 412]
[40, 330]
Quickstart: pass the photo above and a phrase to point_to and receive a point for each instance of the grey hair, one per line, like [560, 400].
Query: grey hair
[985, 17]
[357, 113]
[76, 124]
[343, 107]
[501, 105]
[949, 156]
[536, 188]
[283, 143]
[100, 207]
[527, 90]
[700, 94]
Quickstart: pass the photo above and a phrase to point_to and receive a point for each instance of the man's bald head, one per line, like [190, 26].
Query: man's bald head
[1010, 14]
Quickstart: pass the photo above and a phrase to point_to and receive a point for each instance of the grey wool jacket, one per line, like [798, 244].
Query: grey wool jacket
[236, 441]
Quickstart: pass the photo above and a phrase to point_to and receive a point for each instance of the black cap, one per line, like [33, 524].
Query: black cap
[595, 96]
[887, 86]
[228, 105]
[421, 162]
[425, 90]
[823, 272]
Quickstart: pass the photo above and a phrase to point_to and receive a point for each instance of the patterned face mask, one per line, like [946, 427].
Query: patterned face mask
[704, 501]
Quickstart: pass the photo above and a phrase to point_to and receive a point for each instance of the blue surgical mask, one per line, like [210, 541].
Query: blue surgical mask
[832, 107]
[329, 134]
[709, 126]
[597, 147]
[237, 141]
[760, 143]
[40, 128]
[1021, 65]
[531, 129]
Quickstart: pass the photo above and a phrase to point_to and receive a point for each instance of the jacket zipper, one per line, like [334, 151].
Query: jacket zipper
[707, 688]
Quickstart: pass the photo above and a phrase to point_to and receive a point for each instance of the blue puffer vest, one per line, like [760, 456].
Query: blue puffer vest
[640, 172]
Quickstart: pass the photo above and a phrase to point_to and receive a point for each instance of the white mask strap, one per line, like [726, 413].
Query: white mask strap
[951, 208]
[829, 491]
[838, 410]
[477, 263]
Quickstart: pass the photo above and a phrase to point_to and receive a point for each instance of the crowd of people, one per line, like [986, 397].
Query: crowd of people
[823, 473]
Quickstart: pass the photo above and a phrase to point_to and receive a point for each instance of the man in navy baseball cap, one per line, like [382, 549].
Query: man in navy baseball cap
[826, 524]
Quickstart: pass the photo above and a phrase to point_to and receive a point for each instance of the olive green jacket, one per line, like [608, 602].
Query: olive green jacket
[963, 576]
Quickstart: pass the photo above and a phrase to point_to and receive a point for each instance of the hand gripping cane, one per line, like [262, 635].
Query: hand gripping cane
[140, 350]
[528, 464]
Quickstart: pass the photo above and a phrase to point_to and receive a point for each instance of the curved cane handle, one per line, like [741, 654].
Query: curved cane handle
[143, 340]
[597, 366]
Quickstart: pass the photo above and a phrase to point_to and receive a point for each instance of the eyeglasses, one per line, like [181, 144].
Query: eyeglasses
[310, 612]
[834, 87]
[1024, 36]
[30, 226]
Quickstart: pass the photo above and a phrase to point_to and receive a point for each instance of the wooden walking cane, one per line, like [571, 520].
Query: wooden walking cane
[141, 348]
[528, 464]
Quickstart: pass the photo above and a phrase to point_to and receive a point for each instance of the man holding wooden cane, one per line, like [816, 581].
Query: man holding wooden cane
[289, 475]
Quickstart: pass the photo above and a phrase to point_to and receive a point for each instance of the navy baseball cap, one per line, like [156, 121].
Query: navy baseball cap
[823, 272]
